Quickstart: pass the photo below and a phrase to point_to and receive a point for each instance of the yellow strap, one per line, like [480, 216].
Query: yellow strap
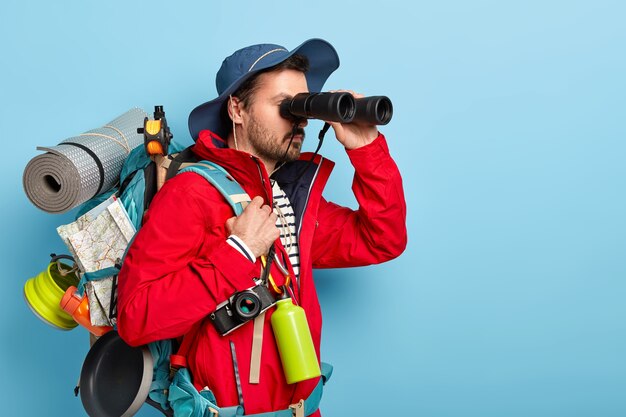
[275, 287]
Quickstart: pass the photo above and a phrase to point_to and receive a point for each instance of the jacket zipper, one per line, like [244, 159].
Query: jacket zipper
[268, 196]
[306, 203]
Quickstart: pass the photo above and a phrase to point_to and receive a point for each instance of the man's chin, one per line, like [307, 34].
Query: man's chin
[293, 155]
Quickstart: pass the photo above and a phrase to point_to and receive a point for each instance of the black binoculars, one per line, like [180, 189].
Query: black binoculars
[338, 107]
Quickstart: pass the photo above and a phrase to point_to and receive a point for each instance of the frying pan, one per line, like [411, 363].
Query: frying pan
[115, 378]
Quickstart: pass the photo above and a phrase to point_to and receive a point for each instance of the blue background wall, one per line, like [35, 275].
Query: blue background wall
[509, 129]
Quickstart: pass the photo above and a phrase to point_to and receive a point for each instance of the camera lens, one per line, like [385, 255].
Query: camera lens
[247, 305]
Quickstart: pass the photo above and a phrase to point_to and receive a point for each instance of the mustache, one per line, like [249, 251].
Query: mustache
[296, 132]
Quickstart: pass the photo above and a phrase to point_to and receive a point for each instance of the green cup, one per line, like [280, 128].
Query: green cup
[43, 295]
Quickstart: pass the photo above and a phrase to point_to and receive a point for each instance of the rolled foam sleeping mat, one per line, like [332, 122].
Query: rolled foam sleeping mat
[83, 166]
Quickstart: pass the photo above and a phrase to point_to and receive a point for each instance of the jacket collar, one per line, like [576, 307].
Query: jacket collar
[246, 168]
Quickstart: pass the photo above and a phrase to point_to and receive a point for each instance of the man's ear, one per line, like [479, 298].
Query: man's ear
[234, 109]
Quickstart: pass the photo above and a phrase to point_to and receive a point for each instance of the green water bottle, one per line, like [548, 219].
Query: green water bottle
[294, 341]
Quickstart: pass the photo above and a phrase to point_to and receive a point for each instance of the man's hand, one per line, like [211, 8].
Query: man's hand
[354, 135]
[256, 226]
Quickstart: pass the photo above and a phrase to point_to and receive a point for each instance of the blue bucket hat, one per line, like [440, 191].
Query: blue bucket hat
[247, 62]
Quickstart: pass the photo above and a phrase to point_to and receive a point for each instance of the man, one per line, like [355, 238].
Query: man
[192, 254]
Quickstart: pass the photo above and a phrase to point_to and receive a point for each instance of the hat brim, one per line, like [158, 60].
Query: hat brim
[323, 61]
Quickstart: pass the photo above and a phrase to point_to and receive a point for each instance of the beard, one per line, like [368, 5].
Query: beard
[269, 146]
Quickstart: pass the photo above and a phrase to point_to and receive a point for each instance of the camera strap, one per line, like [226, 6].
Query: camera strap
[320, 137]
[259, 323]
[257, 345]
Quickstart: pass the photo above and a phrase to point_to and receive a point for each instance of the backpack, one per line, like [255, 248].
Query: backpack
[167, 390]
[126, 205]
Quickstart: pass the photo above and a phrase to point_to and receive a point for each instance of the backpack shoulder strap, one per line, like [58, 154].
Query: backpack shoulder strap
[179, 161]
[170, 163]
[238, 199]
[223, 181]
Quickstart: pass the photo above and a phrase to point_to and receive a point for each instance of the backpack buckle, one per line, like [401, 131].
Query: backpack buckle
[297, 409]
[177, 362]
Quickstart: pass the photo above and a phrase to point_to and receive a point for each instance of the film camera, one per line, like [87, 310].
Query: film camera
[240, 308]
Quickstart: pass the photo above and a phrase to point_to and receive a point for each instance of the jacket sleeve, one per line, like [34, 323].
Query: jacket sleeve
[179, 266]
[374, 233]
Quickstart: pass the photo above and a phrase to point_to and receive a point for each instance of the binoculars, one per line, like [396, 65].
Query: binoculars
[338, 107]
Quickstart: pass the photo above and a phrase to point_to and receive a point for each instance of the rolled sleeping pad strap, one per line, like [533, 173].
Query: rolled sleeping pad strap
[83, 166]
[96, 160]
[311, 404]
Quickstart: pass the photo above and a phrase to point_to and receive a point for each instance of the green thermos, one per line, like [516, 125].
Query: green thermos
[294, 341]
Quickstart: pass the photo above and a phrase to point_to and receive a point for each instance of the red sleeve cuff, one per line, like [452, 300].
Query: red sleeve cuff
[378, 147]
[370, 155]
[235, 268]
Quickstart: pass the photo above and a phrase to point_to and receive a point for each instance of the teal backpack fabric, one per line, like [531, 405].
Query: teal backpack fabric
[186, 401]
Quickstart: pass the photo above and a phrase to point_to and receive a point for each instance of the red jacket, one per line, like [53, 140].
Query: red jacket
[179, 267]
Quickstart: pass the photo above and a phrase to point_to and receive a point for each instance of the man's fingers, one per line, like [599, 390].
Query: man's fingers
[259, 204]
[354, 94]
[256, 202]
[229, 224]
